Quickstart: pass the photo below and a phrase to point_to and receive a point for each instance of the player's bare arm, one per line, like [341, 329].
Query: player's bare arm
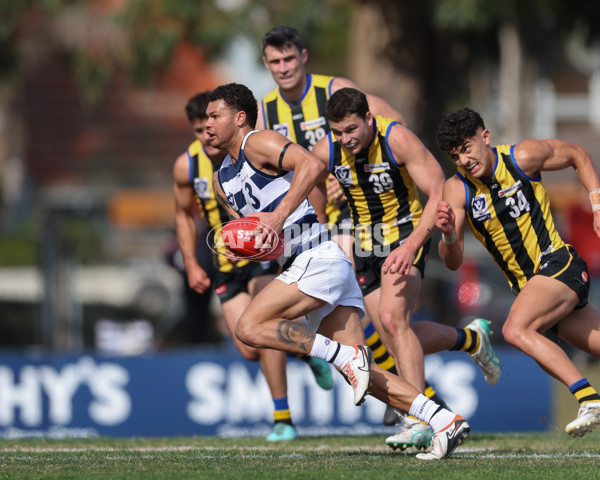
[231, 213]
[222, 199]
[534, 156]
[320, 194]
[186, 226]
[318, 198]
[450, 221]
[428, 176]
[377, 105]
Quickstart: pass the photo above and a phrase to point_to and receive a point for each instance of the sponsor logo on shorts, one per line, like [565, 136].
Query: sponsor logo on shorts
[361, 279]
[221, 289]
[585, 277]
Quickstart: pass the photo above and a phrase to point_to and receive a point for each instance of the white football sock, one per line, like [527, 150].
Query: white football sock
[431, 413]
[332, 351]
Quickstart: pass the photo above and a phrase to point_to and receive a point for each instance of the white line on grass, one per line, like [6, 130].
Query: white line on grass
[253, 452]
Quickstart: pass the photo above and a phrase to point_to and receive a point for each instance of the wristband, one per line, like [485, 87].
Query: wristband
[595, 199]
[449, 239]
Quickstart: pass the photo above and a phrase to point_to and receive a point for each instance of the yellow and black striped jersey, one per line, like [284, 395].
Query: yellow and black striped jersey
[305, 123]
[201, 176]
[382, 196]
[510, 215]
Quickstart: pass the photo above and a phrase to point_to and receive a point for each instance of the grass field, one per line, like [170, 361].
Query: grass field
[491, 456]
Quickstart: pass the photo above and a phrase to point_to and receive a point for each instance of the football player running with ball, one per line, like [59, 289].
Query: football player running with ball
[236, 283]
[269, 177]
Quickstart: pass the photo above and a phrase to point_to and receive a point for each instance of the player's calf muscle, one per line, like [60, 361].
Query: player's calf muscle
[295, 335]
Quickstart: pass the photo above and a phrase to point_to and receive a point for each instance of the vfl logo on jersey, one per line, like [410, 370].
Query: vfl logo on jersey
[481, 210]
[510, 190]
[377, 167]
[312, 124]
[231, 200]
[344, 176]
[201, 187]
[282, 128]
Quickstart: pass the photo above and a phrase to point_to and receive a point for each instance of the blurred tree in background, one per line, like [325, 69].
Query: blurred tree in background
[139, 36]
[423, 55]
[446, 53]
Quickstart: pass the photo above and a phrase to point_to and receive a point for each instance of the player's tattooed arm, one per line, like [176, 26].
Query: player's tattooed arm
[222, 201]
[292, 333]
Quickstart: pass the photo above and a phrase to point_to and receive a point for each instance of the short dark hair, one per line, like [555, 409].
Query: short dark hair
[282, 36]
[456, 127]
[196, 106]
[344, 102]
[239, 97]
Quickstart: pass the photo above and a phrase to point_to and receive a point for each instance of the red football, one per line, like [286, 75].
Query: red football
[237, 235]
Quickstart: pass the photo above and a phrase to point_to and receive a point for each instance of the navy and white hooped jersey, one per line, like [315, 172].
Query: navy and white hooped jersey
[250, 190]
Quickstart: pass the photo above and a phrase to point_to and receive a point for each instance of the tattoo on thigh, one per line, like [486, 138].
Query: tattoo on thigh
[295, 334]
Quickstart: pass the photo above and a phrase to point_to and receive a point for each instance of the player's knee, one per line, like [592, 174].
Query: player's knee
[244, 331]
[511, 334]
[393, 324]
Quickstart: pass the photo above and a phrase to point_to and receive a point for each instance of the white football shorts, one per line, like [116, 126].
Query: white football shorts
[325, 273]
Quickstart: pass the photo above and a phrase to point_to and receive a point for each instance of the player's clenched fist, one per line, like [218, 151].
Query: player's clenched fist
[445, 219]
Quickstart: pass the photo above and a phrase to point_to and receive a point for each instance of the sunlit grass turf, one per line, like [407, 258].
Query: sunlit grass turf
[503, 456]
